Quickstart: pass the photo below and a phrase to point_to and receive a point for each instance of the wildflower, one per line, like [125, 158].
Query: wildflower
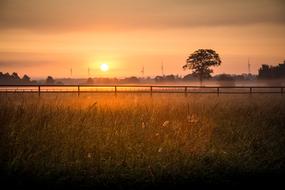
[159, 150]
[89, 155]
[156, 134]
[165, 124]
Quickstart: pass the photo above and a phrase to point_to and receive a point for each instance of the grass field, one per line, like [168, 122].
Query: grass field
[137, 141]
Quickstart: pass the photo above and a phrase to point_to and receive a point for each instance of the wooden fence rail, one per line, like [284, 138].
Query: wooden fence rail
[141, 89]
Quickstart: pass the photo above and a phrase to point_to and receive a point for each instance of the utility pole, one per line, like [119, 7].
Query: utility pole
[142, 72]
[248, 66]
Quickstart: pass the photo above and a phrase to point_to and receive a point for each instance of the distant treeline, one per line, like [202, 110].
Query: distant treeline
[272, 72]
[191, 77]
[265, 72]
[10, 79]
[161, 79]
[15, 79]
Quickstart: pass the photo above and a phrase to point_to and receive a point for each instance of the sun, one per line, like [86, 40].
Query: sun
[104, 67]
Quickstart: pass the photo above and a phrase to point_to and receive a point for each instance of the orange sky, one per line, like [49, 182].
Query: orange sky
[43, 38]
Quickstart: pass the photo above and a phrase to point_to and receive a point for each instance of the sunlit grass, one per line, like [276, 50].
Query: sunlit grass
[132, 139]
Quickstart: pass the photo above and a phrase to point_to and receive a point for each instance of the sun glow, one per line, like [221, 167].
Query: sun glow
[104, 67]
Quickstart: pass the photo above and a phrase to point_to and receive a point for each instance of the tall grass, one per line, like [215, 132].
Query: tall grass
[138, 140]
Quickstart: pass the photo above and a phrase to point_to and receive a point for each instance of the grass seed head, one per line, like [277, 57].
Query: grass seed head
[165, 124]
[143, 125]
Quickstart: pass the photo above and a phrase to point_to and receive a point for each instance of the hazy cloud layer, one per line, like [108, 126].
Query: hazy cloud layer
[15, 60]
[22, 64]
[62, 15]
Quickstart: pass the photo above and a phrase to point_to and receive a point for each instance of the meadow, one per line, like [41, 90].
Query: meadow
[138, 141]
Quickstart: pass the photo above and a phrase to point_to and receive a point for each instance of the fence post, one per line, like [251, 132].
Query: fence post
[185, 91]
[39, 90]
[282, 90]
[250, 90]
[115, 90]
[150, 90]
[78, 90]
[218, 91]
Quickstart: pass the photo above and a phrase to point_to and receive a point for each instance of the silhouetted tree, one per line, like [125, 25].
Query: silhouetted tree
[50, 80]
[90, 81]
[225, 79]
[272, 72]
[15, 76]
[167, 78]
[1, 76]
[188, 77]
[130, 80]
[200, 62]
[15, 79]
[26, 79]
[7, 77]
[158, 78]
[170, 78]
[264, 72]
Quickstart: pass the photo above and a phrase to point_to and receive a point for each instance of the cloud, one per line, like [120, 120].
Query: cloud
[93, 15]
[22, 63]
[34, 60]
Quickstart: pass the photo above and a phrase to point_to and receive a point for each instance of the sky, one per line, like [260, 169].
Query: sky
[42, 38]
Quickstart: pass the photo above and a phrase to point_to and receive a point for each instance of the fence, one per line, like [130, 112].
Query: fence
[39, 89]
